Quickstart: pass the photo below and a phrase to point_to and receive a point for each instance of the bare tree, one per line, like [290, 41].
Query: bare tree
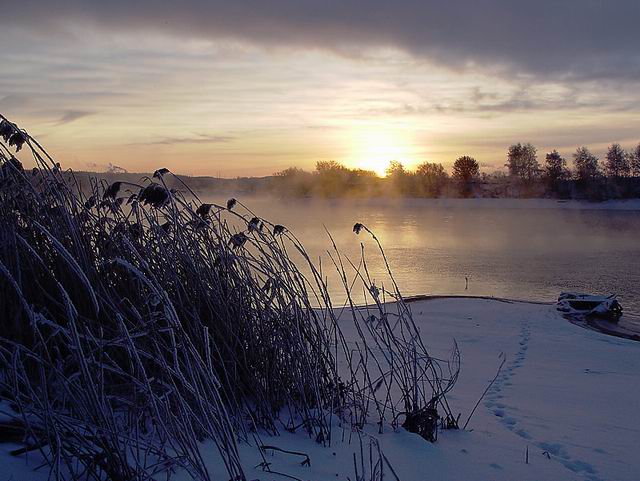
[555, 169]
[586, 164]
[431, 178]
[635, 161]
[522, 162]
[395, 168]
[399, 177]
[617, 163]
[332, 177]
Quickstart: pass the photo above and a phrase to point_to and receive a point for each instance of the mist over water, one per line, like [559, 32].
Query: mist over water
[522, 249]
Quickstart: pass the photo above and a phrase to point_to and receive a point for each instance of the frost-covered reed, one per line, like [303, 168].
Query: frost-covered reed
[138, 322]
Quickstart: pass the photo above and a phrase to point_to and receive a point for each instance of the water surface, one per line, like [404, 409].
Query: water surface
[523, 249]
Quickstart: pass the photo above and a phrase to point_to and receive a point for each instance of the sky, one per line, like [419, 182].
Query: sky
[243, 88]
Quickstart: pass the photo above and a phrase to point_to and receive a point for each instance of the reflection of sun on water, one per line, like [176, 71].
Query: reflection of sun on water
[374, 149]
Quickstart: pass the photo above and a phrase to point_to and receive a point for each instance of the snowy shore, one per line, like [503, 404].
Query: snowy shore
[565, 394]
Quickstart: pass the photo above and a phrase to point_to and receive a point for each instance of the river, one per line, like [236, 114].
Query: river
[522, 249]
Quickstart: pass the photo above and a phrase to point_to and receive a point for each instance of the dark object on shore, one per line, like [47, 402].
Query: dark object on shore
[423, 422]
[606, 307]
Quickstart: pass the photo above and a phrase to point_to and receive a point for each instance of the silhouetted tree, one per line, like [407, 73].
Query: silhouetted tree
[635, 161]
[588, 175]
[586, 165]
[399, 178]
[293, 181]
[523, 162]
[431, 179]
[555, 170]
[466, 170]
[617, 163]
[332, 178]
[363, 183]
[395, 168]
[323, 166]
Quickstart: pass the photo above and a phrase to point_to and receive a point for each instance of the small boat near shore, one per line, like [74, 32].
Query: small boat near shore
[576, 304]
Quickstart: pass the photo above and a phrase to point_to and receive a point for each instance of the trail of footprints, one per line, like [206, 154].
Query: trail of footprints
[508, 414]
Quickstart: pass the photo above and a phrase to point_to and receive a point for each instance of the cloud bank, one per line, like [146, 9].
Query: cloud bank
[581, 39]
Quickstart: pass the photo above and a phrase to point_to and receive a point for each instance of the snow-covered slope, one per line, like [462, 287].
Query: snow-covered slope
[568, 396]
[563, 390]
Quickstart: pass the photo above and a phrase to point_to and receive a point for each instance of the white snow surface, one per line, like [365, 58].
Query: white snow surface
[569, 395]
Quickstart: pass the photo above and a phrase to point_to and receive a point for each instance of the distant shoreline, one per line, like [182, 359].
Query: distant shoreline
[483, 202]
[274, 186]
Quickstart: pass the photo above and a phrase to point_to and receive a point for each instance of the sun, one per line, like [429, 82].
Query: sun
[373, 149]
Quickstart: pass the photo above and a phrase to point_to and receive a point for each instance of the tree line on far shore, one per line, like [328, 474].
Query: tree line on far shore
[617, 176]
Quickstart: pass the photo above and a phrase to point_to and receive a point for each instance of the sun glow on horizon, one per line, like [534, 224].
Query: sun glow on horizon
[374, 149]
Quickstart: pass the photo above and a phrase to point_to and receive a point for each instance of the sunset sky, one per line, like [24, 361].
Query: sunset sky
[251, 87]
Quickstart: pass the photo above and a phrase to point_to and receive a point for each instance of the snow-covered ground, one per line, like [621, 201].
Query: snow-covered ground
[568, 395]
[564, 390]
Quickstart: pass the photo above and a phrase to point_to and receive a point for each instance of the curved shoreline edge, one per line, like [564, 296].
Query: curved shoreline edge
[428, 297]
[593, 324]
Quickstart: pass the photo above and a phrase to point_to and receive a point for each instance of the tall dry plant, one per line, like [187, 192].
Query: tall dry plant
[139, 322]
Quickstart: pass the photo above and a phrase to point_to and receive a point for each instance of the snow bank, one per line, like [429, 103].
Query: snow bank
[566, 395]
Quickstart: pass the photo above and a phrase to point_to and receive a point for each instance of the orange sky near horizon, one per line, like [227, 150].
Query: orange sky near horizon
[222, 108]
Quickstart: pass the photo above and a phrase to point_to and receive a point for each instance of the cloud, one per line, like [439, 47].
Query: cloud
[582, 39]
[196, 139]
[264, 78]
[12, 101]
[71, 115]
[482, 103]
